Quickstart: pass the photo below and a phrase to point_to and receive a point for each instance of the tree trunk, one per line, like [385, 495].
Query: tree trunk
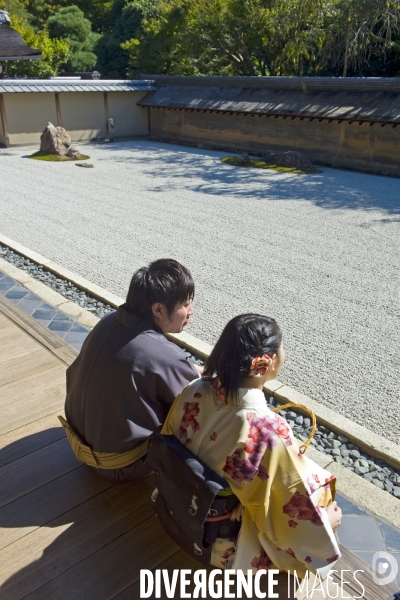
[346, 55]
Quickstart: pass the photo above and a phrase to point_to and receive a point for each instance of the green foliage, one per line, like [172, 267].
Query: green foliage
[264, 37]
[70, 24]
[55, 52]
[221, 37]
[101, 13]
[16, 8]
[55, 157]
[234, 161]
[113, 51]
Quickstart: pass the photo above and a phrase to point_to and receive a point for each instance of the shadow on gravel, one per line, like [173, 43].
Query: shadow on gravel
[332, 189]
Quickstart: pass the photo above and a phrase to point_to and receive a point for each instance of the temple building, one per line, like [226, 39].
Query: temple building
[12, 46]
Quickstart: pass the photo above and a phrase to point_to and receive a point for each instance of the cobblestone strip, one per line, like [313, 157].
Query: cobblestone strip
[62, 286]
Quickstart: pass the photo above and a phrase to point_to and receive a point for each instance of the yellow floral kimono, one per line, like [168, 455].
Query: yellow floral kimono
[282, 491]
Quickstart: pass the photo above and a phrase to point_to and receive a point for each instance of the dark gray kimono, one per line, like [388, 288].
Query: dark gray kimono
[121, 386]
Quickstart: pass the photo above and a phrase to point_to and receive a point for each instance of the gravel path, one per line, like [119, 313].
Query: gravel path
[319, 252]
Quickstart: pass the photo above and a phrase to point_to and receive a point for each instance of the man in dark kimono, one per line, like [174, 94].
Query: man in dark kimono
[122, 384]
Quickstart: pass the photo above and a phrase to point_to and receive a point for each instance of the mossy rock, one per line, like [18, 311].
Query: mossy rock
[236, 161]
[55, 158]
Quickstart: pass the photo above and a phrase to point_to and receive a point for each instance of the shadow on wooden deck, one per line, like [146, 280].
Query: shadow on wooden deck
[67, 534]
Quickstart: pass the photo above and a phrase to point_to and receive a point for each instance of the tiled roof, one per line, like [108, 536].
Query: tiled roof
[74, 85]
[316, 98]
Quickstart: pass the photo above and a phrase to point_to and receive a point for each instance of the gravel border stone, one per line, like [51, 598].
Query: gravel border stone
[336, 446]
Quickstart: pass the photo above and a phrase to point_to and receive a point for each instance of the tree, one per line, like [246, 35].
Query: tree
[113, 50]
[70, 24]
[265, 37]
[360, 30]
[229, 37]
[101, 13]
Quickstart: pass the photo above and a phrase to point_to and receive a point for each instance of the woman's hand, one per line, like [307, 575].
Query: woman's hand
[334, 513]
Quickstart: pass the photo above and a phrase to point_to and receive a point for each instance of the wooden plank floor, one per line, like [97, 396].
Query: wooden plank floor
[66, 534]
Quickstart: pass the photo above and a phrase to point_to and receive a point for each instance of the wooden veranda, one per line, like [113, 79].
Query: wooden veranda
[66, 534]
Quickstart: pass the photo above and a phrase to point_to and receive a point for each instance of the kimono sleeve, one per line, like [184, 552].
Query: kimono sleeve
[293, 531]
[173, 373]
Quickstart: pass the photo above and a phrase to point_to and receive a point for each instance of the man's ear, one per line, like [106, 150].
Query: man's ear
[158, 310]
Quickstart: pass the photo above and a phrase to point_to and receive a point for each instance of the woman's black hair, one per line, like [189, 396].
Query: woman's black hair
[243, 338]
[165, 281]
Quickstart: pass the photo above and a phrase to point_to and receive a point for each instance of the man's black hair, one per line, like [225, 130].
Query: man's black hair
[243, 338]
[165, 281]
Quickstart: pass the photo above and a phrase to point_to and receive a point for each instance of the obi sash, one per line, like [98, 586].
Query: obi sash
[102, 460]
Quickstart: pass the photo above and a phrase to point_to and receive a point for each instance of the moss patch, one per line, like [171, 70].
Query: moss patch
[55, 158]
[235, 161]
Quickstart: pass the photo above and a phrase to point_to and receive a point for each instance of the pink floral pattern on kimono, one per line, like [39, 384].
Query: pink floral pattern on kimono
[261, 562]
[239, 468]
[218, 389]
[332, 558]
[227, 554]
[301, 507]
[190, 412]
[261, 436]
[313, 484]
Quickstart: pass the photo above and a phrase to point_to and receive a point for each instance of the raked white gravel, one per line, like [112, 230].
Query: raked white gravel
[320, 253]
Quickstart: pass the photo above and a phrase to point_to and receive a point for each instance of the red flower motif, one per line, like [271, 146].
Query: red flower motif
[218, 389]
[290, 551]
[283, 430]
[261, 562]
[328, 479]
[249, 446]
[190, 412]
[197, 395]
[332, 558]
[308, 559]
[239, 468]
[301, 507]
[313, 484]
[292, 523]
[262, 473]
[228, 552]
[213, 436]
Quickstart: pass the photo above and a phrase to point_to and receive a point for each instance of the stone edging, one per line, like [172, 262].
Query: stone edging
[351, 485]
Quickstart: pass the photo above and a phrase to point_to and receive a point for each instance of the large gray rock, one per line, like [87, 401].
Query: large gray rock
[292, 159]
[55, 140]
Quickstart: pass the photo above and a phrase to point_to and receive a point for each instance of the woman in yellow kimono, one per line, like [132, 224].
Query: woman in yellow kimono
[287, 509]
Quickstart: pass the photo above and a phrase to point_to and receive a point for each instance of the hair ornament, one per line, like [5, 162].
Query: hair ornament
[259, 366]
